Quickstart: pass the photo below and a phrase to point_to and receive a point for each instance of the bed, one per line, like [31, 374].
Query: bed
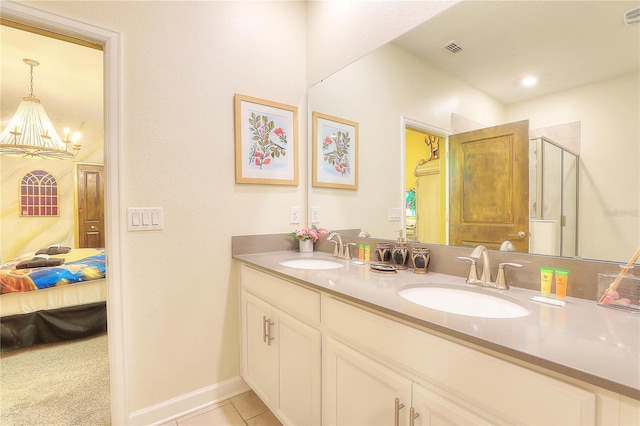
[43, 304]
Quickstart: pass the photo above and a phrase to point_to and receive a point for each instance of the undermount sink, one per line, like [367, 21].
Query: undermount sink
[311, 264]
[463, 301]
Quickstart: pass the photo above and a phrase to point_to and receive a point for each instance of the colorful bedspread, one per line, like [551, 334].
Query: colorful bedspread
[79, 265]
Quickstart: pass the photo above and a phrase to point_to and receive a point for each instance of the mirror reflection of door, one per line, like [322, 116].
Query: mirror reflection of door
[425, 168]
[90, 197]
[489, 187]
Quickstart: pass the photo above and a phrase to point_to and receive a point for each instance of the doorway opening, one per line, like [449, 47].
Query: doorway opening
[111, 42]
[425, 182]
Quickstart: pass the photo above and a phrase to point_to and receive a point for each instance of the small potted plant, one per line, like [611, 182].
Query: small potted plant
[307, 236]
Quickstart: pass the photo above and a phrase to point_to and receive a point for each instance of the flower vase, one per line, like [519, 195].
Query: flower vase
[306, 246]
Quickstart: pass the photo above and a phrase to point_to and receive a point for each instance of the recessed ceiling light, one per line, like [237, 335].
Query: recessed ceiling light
[529, 81]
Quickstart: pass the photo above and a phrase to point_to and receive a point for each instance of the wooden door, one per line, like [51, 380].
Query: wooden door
[489, 187]
[90, 190]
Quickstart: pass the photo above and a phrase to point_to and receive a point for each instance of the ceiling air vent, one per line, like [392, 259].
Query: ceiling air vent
[632, 16]
[452, 47]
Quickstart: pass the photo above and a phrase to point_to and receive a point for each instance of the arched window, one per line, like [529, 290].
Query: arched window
[39, 194]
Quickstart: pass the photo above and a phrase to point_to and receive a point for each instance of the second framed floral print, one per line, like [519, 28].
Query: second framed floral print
[335, 152]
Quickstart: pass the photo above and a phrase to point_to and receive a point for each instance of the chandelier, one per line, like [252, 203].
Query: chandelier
[31, 134]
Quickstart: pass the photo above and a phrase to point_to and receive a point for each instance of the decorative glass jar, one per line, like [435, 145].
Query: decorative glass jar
[619, 290]
[383, 252]
[400, 255]
[420, 257]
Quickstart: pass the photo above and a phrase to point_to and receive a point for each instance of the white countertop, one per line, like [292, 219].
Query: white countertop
[593, 344]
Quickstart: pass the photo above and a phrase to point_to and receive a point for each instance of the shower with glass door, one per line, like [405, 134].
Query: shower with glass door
[553, 198]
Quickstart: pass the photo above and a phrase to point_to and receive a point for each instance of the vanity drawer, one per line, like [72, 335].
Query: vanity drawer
[292, 298]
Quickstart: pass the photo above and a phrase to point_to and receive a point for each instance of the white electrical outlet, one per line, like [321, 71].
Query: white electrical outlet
[315, 214]
[294, 214]
[394, 214]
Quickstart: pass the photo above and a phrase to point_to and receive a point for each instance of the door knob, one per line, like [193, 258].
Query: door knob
[520, 235]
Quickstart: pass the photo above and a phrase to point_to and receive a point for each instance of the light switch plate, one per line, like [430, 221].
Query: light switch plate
[145, 218]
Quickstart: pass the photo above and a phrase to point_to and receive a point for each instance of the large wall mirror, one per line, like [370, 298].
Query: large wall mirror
[459, 73]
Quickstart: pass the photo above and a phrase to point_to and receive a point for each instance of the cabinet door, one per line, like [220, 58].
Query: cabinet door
[357, 390]
[435, 409]
[260, 355]
[300, 366]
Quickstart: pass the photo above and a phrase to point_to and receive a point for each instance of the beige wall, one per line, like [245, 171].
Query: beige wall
[609, 206]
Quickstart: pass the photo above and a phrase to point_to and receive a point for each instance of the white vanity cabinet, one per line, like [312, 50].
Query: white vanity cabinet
[281, 354]
[315, 357]
[444, 382]
[359, 390]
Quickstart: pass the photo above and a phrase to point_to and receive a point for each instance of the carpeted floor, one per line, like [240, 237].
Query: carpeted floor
[63, 383]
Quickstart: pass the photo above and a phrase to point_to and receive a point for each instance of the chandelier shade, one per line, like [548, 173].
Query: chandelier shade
[31, 134]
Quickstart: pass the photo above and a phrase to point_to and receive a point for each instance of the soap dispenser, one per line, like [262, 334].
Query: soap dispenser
[400, 252]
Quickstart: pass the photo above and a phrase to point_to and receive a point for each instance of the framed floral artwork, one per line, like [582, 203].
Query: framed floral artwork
[335, 152]
[266, 138]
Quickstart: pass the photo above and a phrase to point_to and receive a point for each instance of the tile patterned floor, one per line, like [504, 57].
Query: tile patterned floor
[243, 410]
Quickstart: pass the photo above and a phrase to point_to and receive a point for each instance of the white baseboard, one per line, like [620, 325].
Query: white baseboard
[188, 403]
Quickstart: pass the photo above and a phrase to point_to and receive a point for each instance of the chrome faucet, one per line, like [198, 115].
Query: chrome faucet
[486, 262]
[481, 252]
[338, 250]
[341, 250]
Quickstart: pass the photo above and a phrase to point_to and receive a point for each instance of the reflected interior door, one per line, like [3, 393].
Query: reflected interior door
[489, 187]
[90, 189]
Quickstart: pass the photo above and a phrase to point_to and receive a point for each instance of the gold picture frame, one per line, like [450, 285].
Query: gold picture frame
[335, 152]
[266, 141]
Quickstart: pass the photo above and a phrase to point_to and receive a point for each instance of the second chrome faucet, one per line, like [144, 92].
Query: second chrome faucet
[481, 253]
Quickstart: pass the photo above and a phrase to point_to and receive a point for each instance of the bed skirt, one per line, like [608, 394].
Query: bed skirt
[55, 325]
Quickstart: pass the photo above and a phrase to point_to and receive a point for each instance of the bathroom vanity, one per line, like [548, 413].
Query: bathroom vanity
[341, 346]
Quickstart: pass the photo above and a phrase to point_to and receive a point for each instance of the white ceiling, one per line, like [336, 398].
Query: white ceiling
[68, 81]
[565, 43]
